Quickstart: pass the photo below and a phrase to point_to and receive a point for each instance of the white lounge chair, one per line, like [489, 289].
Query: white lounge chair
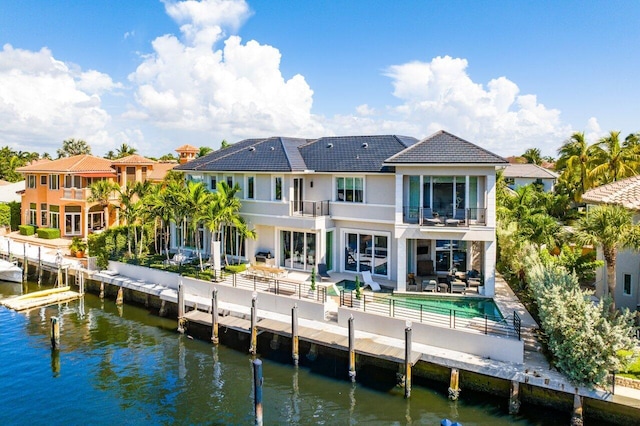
[368, 281]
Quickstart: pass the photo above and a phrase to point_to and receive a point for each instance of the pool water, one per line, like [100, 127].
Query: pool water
[466, 307]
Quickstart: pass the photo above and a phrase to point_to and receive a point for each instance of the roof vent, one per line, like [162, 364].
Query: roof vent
[272, 149]
[365, 145]
[329, 145]
[253, 148]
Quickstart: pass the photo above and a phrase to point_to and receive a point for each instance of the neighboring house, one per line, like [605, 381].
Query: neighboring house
[10, 191]
[391, 205]
[56, 192]
[187, 153]
[625, 193]
[517, 175]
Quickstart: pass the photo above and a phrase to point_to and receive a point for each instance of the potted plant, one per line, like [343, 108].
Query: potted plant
[357, 302]
[78, 247]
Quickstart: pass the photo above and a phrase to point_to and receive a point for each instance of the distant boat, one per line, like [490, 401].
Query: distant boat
[10, 271]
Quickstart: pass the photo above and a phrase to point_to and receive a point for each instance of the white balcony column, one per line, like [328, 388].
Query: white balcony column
[489, 269]
[399, 198]
[491, 200]
[401, 277]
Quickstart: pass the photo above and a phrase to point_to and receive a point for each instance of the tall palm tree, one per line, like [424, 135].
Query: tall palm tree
[101, 192]
[575, 158]
[221, 211]
[125, 150]
[614, 160]
[533, 156]
[197, 198]
[611, 228]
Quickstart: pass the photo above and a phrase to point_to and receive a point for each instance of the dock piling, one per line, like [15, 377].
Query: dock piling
[514, 397]
[102, 290]
[576, 418]
[257, 390]
[55, 333]
[120, 297]
[214, 316]
[454, 386]
[407, 360]
[25, 262]
[180, 307]
[39, 265]
[352, 350]
[253, 348]
[294, 335]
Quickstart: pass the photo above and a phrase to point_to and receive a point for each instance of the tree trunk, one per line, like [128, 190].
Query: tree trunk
[610, 259]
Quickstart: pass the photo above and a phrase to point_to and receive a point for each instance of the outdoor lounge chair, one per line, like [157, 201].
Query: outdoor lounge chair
[429, 285]
[180, 259]
[322, 271]
[458, 286]
[369, 282]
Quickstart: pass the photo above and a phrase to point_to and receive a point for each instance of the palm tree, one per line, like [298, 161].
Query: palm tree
[221, 211]
[101, 192]
[533, 156]
[575, 157]
[611, 228]
[615, 161]
[125, 150]
[204, 150]
[197, 198]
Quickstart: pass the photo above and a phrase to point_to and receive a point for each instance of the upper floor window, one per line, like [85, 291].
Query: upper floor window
[251, 187]
[350, 189]
[43, 180]
[213, 183]
[627, 285]
[31, 181]
[230, 181]
[277, 188]
[54, 182]
[71, 181]
[131, 174]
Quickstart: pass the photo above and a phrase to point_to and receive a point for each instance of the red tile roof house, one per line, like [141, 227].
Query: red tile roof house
[56, 192]
[625, 193]
[391, 205]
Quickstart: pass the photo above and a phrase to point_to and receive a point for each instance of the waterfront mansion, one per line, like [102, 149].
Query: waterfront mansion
[392, 205]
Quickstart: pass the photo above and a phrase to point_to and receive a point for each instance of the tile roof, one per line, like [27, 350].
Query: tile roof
[444, 148]
[78, 163]
[133, 159]
[356, 154]
[624, 192]
[187, 148]
[533, 171]
[159, 171]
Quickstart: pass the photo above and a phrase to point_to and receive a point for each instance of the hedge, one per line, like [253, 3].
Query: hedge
[48, 233]
[27, 229]
[5, 215]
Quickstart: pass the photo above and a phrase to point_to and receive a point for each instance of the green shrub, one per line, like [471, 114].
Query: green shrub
[235, 269]
[27, 229]
[5, 215]
[16, 215]
[48, 233]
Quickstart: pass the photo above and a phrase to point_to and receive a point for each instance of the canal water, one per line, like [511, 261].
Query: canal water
[129, 366]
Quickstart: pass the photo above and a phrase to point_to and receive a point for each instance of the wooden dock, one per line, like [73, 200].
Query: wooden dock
[40, 299]
[366, 346]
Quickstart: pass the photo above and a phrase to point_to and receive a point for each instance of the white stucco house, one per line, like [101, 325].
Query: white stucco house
[626, 193]
[517, 175]
[391, 205]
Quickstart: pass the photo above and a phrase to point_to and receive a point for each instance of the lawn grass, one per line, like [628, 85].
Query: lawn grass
[632, 371]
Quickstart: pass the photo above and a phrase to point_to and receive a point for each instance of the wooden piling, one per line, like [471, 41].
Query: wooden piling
[39, 265]
[55, 333]
[407, 361]
[25, 262]
[253, 348]
[294, 335]
[454, 386]
[102, 290]
[352, 350]
[214, 316]
[120, 297]
[180, 308]
[257, 390]
[514, 397]
[576, 418]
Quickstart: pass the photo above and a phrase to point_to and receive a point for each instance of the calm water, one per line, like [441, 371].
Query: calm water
[128, 366]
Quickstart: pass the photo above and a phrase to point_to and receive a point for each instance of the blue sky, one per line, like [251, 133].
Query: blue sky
[506, 75]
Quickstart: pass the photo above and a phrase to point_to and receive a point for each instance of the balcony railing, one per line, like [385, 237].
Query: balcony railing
[310, 208]
[76, 193]
[424, 216]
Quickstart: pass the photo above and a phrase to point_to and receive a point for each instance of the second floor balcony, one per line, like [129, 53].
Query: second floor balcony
[446, 217]
[310, 208]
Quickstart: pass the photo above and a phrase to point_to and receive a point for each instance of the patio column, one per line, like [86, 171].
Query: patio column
[401, 278]
[399, 199]
[489, 269]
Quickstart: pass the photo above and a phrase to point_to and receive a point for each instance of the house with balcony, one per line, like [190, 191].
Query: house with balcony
[391, 205]
[57, 192]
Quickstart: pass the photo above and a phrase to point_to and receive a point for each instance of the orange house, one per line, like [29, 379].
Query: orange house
[56, 192]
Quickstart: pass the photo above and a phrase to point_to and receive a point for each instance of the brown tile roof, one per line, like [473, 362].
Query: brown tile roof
[133, 159]
[160, 171]
[624, 192]
[187, 148]
[77, 164]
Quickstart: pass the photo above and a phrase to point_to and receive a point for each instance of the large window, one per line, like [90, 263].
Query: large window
[31, 181]
[54, 182]
[43, 214]
[33, 214]
[72, 181]
[43, 180]
[54, 217]
[451, 254]
[366, 252]
[251, 187]
[350, 189]
[298, 250]
[447, 195]
[213, 183]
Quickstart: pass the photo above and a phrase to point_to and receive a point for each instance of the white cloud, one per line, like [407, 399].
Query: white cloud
[237, 91]
[44, 101]
[440, 95]
[128, 34]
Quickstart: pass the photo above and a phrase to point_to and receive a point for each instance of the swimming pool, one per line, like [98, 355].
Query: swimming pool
[465, 307]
